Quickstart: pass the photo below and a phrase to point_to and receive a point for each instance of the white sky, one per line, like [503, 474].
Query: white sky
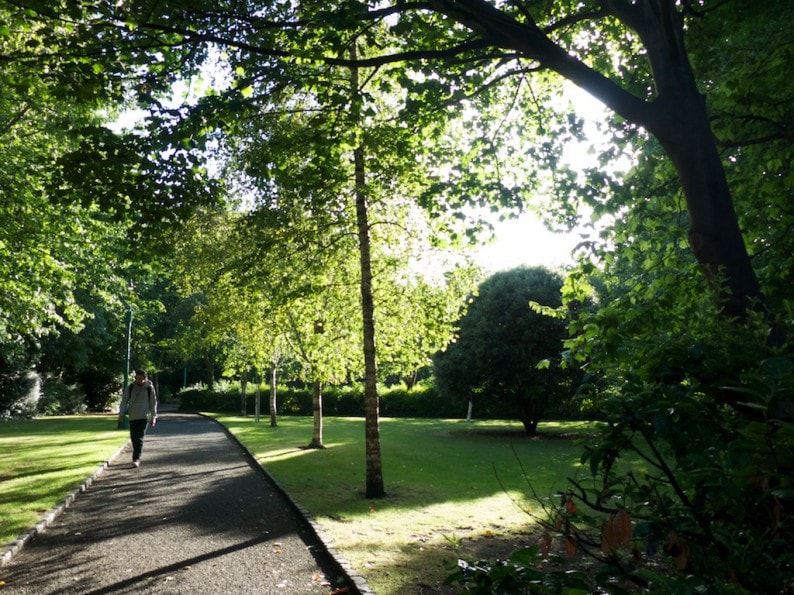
[525, 240]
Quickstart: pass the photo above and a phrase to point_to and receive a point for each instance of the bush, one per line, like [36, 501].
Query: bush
[58, 398]
[27, 395]
[19, 395]
[199, 398]
[101, 386]
[347, 401]
[421, 401]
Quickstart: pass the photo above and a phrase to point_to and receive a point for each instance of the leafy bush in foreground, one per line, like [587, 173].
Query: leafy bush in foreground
[712, 514]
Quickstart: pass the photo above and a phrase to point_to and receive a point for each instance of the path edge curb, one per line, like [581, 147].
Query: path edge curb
[12, 548]
[357, 581]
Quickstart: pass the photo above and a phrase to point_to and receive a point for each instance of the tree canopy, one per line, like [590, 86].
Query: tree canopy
[651, 63]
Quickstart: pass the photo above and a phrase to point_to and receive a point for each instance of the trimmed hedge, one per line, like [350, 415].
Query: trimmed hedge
[397, 401]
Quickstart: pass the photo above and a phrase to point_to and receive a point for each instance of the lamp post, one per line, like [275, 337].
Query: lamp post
[129, 344]
[122, 419]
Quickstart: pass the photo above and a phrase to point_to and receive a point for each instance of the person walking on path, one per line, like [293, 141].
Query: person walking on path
[140, 403]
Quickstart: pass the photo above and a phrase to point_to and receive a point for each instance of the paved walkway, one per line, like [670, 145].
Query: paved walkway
[198, 516]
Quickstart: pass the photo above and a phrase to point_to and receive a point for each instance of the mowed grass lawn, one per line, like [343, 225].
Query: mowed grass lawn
[454, 489]
[42, 460]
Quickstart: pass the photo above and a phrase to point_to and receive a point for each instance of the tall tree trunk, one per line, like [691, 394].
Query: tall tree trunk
[714, 233]
[317, 411]
[273, 402]
[374, 478]
[679, 119]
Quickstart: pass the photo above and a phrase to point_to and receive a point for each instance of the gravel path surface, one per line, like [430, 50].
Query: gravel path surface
[198, 516]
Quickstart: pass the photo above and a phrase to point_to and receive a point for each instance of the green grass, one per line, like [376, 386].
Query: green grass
[42, 460]
[454, 489]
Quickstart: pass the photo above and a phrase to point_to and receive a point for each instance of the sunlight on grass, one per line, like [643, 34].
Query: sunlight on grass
[42, 460]
[289, 453]
[454, 489]
[399, 549]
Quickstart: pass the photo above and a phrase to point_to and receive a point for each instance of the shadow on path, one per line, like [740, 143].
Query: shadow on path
[198, 516]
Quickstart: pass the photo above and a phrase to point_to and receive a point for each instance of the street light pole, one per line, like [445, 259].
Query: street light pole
[122, 418]
[129, 344]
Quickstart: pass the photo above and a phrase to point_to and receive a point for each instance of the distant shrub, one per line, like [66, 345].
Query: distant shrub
[19, 394]
[101, 388]
[421, 401]
[59, 398]
[199, 398]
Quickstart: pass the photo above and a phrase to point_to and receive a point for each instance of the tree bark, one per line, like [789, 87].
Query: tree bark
[410, 380]
[374, 477]
[273, 401]
[244, 394]
[257, 397]
[714, 234]
[317, 410]
[209, 369]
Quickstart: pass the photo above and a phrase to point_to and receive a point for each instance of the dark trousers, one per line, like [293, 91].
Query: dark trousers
[137, 432]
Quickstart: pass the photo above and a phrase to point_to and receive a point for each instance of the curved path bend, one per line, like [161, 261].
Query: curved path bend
[198, 516]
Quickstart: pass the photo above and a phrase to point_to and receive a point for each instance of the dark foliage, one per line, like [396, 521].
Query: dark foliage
[506, 351]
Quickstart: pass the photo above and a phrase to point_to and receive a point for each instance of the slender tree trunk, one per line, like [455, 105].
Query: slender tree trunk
[374, 478]
[210, 371]
[410, 380]
[273, 401]
[244, 394]
[257, 397]
[317, 410]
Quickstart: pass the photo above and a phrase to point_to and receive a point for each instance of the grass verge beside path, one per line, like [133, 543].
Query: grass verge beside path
[454, 489]
[42, 460]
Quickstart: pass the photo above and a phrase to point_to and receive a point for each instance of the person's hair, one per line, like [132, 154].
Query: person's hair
[140, 373]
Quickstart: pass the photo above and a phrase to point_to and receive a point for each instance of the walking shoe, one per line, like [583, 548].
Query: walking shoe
[136, 463]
